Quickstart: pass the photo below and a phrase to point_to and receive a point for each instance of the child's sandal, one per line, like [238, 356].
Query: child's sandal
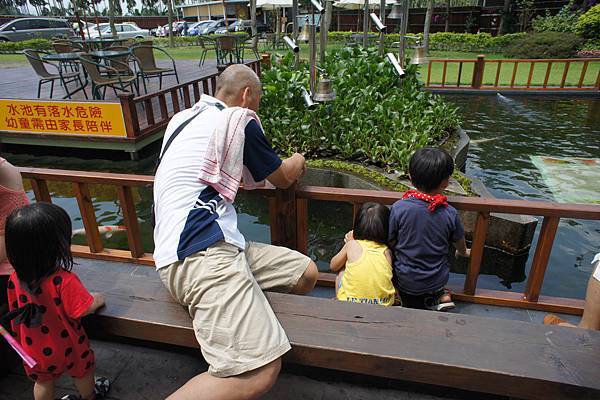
[435, 303]
[101, 387]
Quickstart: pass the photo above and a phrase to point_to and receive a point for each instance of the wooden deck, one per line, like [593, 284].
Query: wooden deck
[489, 355]
[21, 82]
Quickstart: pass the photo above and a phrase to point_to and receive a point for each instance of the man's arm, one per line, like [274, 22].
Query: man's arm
[290, 170]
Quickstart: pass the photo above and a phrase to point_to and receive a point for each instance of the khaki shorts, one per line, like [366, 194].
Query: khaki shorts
[222, 288]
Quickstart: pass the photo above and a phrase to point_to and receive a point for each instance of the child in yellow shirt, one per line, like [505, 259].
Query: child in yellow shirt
[364, 264]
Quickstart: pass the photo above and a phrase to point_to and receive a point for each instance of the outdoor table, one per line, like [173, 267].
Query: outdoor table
[109, 53]
[68, 57]
[99, 42]
[239, 40]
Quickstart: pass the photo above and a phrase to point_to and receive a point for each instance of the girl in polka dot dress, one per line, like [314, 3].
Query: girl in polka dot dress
[47, 301]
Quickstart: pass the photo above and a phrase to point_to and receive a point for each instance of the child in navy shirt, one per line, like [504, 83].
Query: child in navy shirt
[422, 227]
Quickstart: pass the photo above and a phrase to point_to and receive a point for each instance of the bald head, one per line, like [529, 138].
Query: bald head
[238, 85]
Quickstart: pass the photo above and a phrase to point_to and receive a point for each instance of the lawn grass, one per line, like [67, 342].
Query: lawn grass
[505, 77]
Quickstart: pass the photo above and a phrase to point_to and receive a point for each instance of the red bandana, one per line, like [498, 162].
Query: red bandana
[434, 201]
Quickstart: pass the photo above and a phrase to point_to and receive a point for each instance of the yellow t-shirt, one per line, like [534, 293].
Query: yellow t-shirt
[369, 279]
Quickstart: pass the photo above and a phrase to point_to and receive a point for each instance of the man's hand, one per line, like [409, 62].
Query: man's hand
[290, 170]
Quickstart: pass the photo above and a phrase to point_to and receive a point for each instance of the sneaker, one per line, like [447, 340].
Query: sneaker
[102, 387]
[435, 303]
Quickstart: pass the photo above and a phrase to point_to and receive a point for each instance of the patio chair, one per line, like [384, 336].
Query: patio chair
[226, 50]
[39, 66]
[66, 46]
[103, 76]
[206, 44]
[251, 46]
[147, 68]
[118, 65]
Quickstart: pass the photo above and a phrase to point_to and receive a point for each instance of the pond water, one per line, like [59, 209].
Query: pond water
[506, 131]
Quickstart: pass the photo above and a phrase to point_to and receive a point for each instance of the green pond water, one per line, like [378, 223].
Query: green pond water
[507, 133]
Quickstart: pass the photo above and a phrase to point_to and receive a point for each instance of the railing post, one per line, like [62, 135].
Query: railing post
[86, 207]
[282, 217]
[597, 86]
[477, 248]
[478, 72]
[302, 225]
[40, 189]
[132, 123]
[540, 258]
[134, 238]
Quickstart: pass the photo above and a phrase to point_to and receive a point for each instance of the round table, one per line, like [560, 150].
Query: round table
[99, 42]
[109, 53]
[63, 57]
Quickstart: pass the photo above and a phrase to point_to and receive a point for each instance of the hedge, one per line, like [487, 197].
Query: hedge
[17, 47]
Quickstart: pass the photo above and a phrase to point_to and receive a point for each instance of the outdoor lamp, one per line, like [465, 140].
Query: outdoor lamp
[392, 59]
[317, 5]
[291, 44]
[307, 100]
[378, 24]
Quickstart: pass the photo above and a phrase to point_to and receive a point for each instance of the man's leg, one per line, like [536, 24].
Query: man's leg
[591, 310]
[249, 385]
[308, 280]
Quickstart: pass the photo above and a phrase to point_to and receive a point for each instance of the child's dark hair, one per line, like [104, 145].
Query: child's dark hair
[429, 166]
[38, 242]
[372, 223]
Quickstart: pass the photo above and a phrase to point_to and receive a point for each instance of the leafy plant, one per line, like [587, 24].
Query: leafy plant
[376, 118]
[17, 47]
[564, 21]
[588, 25]
[545, 45]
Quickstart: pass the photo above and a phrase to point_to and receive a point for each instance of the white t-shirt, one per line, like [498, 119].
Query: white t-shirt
[191, 216]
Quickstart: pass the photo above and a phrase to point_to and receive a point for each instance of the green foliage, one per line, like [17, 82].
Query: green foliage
[545, 45]
[564, 21]
[17, 47]
[588, 24]
[447, 41]
[376, 118]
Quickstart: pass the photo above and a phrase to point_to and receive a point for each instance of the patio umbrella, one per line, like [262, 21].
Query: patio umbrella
[274, 5]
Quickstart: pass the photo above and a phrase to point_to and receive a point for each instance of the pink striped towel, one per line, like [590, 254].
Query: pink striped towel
[223, 166]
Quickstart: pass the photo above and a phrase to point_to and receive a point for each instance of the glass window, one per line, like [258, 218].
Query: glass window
[128, 28]
[58, 24]
[39, 24]
[21, 25]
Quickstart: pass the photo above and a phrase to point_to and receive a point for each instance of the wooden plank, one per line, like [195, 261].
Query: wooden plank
[565, 72]
[514, 74]
[213, 84]
[460, 66]
[105, 178]
[149, 112]
[302, 226]
[541, 257]
[164, 111]
[130, 116]
[186, 97]
[531, 67]
[582, 76]
[88, 215]
[282, 217]
[196, 92]
[510, 358]
[113, 255]
[548, 70]
[498, 73]
[477, 248]
[175, 101]
[134, 238]
[205, 87]
[429, 73]
[444, 73]
[40, 190]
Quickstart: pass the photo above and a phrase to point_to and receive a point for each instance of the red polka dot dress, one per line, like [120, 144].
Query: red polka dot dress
[58, 344]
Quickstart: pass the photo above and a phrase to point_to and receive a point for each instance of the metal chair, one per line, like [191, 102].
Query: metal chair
[120, 61]
[226, 49]
[65, 46]
[206, 44]
[147, 68]
[39, 66]
[103, 76]
[250, 45]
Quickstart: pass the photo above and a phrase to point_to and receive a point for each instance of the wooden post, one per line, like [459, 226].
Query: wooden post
[302, 225]
[132, 123]
[598, 81]
[86, 207]
[134, 238]
[477, 247]
[478, 72]
[282, 217]
[40, 189]
[541, 257]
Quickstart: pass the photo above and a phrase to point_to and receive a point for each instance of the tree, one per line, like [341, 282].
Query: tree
[111, 16]
[505, 18]
[170, 14]
[447, 22]
[427, 26]
[131, 6]
[253, 23]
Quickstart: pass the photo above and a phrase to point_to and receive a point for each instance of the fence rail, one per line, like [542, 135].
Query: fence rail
[486, 74]
[288, 216]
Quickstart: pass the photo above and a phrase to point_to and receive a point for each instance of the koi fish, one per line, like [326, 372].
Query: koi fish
[106, 230]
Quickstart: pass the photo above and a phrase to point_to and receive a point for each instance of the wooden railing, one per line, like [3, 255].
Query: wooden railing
[288, 216]
[152, 112]
[504, 74]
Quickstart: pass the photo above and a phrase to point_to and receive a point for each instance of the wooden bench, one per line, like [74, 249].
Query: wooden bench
[461, 351]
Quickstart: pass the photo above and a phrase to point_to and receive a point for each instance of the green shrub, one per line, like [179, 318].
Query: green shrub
[564, 21]
[17, 47]
[376, 118]
[588, 24]
[545, 45]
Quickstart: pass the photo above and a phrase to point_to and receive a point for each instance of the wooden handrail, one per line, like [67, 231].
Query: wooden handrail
[288, 214]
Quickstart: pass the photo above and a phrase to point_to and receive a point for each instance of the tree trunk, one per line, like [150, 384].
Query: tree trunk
[170, 13]
[503, 17]
[253, 23]
[447, 25]
[427, 26]
[111, 17]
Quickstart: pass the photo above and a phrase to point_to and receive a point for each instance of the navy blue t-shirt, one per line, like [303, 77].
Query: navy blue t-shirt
[259, 157]
[422, 241]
